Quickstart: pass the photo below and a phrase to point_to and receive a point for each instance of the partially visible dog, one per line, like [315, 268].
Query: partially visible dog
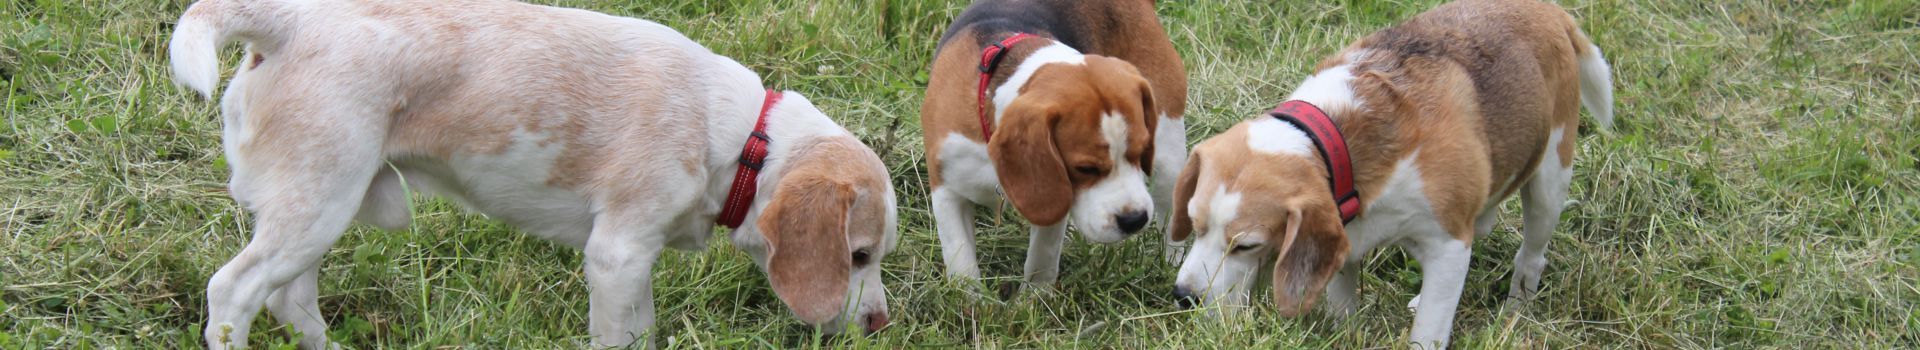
[614, 135]
[1059, 106]
[1420, 130]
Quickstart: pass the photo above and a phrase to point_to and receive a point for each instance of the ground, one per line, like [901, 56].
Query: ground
[1758, 191]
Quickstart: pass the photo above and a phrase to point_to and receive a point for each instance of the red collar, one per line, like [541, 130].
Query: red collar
[989, 59]
[1333, 147]
[752, 157]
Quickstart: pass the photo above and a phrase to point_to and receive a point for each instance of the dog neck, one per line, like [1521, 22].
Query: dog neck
[791, 122]
[1363, 117]
[1019, 65]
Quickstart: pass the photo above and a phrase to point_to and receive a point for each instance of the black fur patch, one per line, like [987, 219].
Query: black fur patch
[991, 20]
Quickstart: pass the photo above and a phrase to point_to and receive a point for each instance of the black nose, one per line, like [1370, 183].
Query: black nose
[1184, 298]
[1131, 222]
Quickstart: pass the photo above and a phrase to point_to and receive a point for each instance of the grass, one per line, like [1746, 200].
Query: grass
[1758, 192]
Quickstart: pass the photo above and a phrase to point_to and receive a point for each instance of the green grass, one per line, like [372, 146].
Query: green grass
[1758, 192]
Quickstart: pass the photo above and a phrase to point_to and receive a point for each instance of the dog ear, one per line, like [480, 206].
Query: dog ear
[1182, 224]
[1029, 164]
[1151, 117]
[1314, 248]
[808, 261]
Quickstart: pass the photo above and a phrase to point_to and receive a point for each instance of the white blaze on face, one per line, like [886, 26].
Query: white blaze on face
[1122, 191]
[1212, 271]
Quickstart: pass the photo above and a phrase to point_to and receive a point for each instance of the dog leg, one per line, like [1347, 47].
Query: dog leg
[1343, 295]
[1544, 198]
[386, 204]
[1443, 272]
[953, 219]
[1043, 253]
[297, 305]
[1484, 224]
[1169, 158]
[302, 205]
[619, 268]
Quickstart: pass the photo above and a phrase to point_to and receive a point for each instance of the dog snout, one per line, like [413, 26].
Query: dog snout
[1184, 298]
[1131, 222]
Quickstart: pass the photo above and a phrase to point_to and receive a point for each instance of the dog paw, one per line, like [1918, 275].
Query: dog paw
[1414, 305]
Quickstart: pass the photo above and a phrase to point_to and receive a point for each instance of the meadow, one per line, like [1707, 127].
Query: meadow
[1757, 191]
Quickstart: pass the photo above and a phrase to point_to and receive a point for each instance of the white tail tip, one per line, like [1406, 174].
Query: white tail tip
[194, 52]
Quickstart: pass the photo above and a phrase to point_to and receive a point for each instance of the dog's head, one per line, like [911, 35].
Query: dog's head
[1078, 140]
[1255, 195]
[827, 224]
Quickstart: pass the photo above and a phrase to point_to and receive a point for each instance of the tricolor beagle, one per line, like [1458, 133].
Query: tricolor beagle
[1441, 118]
[1059, 106]
[614, 135]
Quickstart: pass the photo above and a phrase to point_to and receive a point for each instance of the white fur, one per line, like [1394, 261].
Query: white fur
[968, 178]
[194, 51]
[1331, 89]
[1123, 190]
[1211, 270]
[1544, 198]
[305, 201]
[1272, 136]
[1010, 89]
[1169, 158]
[1596, 86]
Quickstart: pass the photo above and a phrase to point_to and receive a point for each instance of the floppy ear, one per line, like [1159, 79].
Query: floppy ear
[1151, 117]
[1029, 164]
[805, 226]
[1182, 224]
[1315, 246]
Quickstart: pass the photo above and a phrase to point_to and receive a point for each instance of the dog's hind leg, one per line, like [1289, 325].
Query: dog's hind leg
[297, 304]
[386, 204]
[304, 191]
[1544, 198]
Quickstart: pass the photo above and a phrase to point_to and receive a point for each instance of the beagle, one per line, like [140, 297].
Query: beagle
[613, 135]
[1412, 137]
[1058, 106]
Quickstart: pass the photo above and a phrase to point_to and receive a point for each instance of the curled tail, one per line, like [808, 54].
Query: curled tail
[1596, 80]
[207, 25]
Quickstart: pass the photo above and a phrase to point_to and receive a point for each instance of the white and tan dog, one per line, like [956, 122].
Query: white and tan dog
[1442, 117]
[1057, 106]
[614, 135]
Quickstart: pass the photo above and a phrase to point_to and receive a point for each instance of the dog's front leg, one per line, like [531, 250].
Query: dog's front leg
[1169, 158]
[953, 219]
[1443, 273]
[619, 268]
[1043, 253]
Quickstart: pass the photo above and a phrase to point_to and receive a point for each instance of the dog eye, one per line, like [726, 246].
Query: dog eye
[1089, 170]
[860, 257]
[1237, 249]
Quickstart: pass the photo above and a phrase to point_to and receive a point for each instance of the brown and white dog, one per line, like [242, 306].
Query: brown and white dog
[614, 135]
[1059, 106]
[1443, 116]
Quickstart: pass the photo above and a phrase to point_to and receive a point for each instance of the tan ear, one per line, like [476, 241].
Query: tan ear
[1183, 188]
[1315, 246]
[808, 262]
[1152, 119]
[1029, 164]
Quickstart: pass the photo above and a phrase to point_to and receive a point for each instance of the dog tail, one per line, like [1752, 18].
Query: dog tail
[207, 26]
[1596, 80]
